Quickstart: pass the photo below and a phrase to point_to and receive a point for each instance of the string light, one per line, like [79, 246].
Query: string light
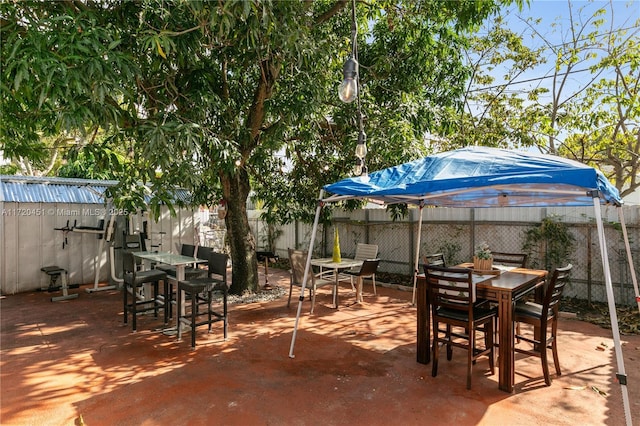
[349, 91]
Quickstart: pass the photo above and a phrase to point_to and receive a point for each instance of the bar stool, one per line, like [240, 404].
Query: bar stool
[133, 280]
[200, 293]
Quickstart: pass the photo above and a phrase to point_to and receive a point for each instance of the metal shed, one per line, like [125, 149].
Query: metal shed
[57, 221]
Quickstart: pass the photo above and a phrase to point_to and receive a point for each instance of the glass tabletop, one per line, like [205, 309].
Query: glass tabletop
[168, 258]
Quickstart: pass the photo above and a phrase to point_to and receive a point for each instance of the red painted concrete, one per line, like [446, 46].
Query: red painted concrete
[356, 365]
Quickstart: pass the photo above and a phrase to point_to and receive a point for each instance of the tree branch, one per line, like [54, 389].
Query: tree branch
[334, 10]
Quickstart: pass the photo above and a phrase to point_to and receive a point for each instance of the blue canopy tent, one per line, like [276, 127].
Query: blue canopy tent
[480, 177]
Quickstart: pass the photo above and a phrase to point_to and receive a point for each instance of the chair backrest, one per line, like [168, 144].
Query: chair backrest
[188, 250]
[450, 288]
[553, 294]
[128, 262]
[369, 267]
[366, 251]
[203, 252]
[509, 259]
[217, 265]
[298, 260]
[132, 242]
[435, 259]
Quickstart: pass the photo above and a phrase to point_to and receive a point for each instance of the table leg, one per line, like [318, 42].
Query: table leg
[359, 290]
[423, 326]
[506, 338]
[335, 289]
[180, 277]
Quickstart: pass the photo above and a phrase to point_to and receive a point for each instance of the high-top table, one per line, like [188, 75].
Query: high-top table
[180, 262]
[505, 288]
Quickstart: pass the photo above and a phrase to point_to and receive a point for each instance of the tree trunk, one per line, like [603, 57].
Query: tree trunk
[241, 240]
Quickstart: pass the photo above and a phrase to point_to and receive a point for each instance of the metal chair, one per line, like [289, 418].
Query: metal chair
[367, 270]
[298, 259]
[451, 294]
[541, 316]
[200, 292]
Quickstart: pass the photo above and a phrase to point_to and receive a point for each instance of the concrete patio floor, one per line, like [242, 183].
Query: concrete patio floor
[63, 362]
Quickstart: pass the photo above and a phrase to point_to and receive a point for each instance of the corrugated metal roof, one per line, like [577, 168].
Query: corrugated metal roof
[32, 189]
[29, 189]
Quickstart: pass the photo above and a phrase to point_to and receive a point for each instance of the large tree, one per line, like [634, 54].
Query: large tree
[226, 97]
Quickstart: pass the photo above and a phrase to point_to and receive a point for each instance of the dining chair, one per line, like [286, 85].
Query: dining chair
[363, 252]
[298, 260]
[518, 260]
[199, 291]
[367, 270]
[451, 293]
[434, 259]
[133, 282]
[542, 317]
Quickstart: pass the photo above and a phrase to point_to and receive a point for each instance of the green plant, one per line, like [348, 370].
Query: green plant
[549, 245]
[483, 251]
[451, 251]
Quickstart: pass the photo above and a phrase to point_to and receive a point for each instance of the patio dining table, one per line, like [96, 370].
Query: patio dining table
[180, 262]
[344, 263]
[504, 288]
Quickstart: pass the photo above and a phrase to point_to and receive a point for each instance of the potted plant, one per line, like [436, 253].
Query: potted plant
[483, 259]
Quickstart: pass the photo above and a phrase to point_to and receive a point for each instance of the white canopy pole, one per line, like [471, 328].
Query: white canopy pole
[415, 269]
[307, 267]
[620, 375]
[632, 269]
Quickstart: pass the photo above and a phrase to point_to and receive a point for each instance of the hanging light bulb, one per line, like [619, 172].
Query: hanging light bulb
[361, 147]
[357, 169]
[348, 90]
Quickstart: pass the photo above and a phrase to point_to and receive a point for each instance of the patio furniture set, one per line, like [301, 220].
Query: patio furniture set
[453, 304]
[466, 302]
[144, 270]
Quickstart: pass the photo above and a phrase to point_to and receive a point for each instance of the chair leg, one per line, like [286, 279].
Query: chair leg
[209, 307]
[489, 344]
[449, 347]
[554, 346]
[194, 313]
[134, 307]
[313, 297]
[178, 312]
[290, 291]
[167, 301]
[373, 278]
[156, 284]
[124, 302]
[224, 310]
[543, 356]
[472, 345]
[434, 345]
